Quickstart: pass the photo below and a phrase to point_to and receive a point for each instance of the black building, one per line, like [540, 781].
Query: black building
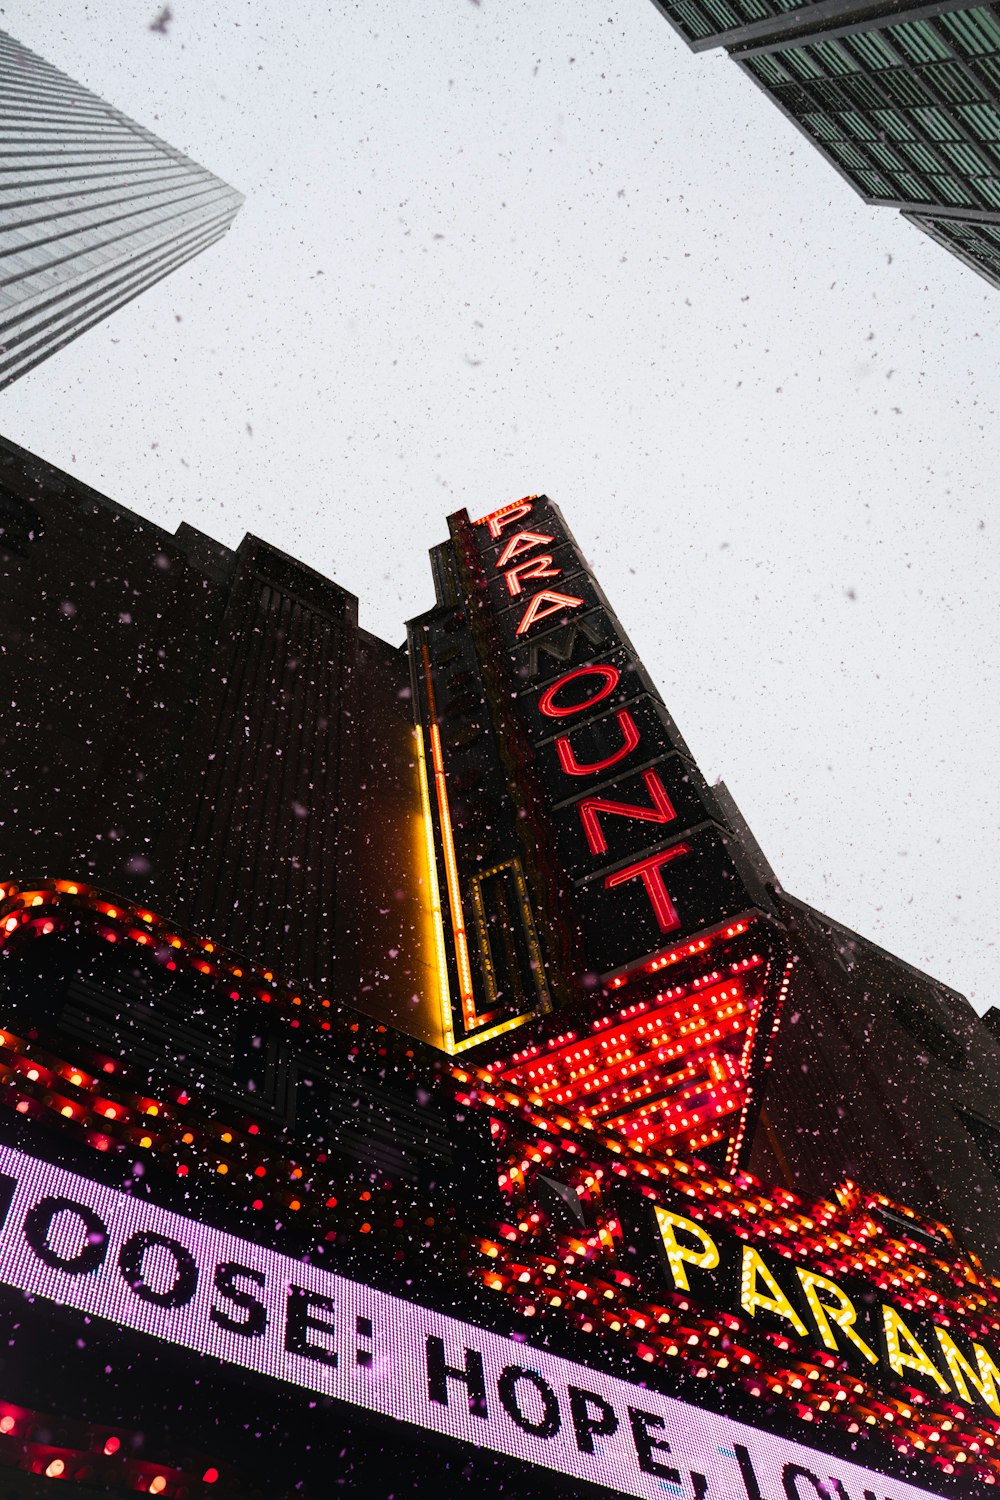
[412, 1075]
[203, 731]
[904, 100]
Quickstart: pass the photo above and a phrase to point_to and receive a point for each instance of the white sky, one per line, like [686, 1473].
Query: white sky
[499, 246]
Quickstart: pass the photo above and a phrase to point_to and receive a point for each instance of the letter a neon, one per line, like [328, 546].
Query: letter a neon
[546, 603]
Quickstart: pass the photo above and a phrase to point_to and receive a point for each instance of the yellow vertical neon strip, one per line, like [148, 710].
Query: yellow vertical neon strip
[454, 888]
[459, 934]
[444, 989]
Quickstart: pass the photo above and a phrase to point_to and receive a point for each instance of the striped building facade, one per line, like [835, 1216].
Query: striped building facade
[93, 209]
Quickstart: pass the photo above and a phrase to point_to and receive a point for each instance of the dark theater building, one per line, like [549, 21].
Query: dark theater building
[413, 1076]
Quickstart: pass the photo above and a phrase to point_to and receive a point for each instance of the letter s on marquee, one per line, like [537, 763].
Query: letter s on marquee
[226, 1277]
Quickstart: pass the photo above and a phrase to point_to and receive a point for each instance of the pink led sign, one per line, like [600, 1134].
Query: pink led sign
[84, 1246]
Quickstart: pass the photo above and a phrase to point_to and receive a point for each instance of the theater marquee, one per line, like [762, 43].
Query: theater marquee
[105, 1254]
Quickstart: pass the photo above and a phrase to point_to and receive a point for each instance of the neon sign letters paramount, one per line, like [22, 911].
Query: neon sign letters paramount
[623, 789]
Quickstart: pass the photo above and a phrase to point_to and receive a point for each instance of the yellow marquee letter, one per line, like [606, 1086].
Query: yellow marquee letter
[754, 1270]
[706, 1258]
[915, 1358]
[838, 1306]
[984, 1380]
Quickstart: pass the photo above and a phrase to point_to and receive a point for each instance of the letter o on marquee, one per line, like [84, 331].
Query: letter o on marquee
[545, 1426]
[38, 1228]
[609, 681]
[131, 1263]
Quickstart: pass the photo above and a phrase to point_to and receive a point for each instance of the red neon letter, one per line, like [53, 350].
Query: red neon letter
[505, 516]
[535, 567]
[662, 811]
[572, 767]
[609, 681]
[648, 871]
[535, 612]
[522, 541]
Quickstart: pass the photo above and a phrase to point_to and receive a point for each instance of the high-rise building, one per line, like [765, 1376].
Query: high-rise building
[904, 100]
[413, 1076]
[93, 209]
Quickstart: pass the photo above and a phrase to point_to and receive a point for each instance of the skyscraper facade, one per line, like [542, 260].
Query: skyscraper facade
[414, 1077]
[903, 100]
[93, 209]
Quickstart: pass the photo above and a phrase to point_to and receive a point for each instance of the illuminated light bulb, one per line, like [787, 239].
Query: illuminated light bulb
[33, 1074]
[222, 1168]
[157, 1485]
[7, 1424]
[55, 1469]
[67, 1110]
[145, 1140]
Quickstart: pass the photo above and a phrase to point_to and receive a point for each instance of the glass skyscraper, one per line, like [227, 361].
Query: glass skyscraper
[905, 104]
[93, 209]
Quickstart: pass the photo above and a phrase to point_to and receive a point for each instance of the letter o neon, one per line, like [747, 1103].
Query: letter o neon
[609, 675]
